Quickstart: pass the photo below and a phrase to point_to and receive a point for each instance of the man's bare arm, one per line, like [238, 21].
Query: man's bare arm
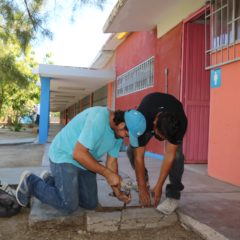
[81, 154]
[112, 164]
[169, 157]
[144, 196]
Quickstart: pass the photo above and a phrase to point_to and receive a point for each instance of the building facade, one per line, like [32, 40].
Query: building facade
[190, 50]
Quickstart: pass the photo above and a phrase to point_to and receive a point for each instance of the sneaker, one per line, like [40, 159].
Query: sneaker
[22, 192]
[45, 175]
[5, 187]
[168, 206]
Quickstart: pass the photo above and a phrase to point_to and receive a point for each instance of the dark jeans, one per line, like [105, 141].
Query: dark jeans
[67, 189]
[174, 188]
[37, 119]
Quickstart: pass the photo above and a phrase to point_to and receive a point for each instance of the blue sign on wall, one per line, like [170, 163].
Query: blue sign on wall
[216, 78]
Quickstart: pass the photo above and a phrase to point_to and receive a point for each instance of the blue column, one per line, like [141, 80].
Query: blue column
[44, 110]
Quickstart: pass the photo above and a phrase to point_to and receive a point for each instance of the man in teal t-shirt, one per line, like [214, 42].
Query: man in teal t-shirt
[74, 159]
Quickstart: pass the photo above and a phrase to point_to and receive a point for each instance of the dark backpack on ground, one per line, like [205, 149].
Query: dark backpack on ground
[8, 203]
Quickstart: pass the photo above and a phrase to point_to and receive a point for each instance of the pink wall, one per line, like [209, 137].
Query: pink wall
[169, 52]
[224, 135]
[137, 48]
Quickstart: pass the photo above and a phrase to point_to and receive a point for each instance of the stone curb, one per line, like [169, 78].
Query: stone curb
[201, 229]
[17, 141]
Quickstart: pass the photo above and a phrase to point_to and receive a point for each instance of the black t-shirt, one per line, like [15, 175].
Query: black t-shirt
[157, 102]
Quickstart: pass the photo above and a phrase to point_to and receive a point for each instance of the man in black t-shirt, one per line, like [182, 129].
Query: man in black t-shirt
[166, 120]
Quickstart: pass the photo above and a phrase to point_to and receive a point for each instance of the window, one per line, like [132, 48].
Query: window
[136, 79]
[224, 21]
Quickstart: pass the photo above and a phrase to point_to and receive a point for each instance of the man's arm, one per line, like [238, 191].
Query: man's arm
[82, 155]
[112, 164]
[169, 157]
[144, 196]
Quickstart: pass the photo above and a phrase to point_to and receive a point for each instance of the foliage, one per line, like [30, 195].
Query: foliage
[18, 90]
[28, 19]
[77, 4]
[23, 19]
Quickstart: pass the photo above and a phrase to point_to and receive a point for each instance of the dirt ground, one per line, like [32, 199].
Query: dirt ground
[16, 228]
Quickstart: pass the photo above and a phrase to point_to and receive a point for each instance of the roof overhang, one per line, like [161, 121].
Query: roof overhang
[71, 84]
[108, 49]
[142, 15]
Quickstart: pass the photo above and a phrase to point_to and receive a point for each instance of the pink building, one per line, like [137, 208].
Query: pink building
[189, 49]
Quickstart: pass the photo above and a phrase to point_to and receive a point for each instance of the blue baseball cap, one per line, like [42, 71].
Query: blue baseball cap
[136, 124]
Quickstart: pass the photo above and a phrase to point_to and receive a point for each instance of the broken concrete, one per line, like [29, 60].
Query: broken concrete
[142, 218]
[103, 221]
[128, 219]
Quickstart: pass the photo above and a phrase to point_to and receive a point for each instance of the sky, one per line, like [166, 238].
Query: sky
[75, 43]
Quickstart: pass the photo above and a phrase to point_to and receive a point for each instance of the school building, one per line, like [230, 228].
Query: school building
[190, 49]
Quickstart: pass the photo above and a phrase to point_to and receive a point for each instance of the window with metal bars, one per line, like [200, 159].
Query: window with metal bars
[224, 21]
[136, 79]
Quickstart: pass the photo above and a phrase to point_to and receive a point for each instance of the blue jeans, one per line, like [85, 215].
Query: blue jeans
[67, 189]
[174, 188]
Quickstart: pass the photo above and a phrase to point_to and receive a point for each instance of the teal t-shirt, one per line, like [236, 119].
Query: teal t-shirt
[92, 129]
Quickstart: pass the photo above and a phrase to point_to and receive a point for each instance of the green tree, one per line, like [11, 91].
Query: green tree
[28, 19]
[18, 90]
[22, 21]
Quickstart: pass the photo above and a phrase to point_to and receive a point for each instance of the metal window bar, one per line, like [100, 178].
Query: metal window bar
[228, 40]
[136, 79]
[218, 44]
[234, 29]
[221, 34]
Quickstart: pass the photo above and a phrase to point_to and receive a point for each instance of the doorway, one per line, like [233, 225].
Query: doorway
[195, 89]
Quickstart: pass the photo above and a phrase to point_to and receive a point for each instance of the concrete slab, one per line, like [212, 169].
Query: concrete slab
[143, 218]
[103, 221]
[199, 183]
[201, 229]
[220, 211]
[197, 168]
[44, 216]
[128, 219]
[45, 159]
[12, 175]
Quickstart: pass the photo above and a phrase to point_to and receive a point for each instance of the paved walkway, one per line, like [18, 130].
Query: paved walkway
[17, 141]
[209, 206]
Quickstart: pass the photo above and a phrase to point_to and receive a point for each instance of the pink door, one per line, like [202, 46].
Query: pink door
[196, 93]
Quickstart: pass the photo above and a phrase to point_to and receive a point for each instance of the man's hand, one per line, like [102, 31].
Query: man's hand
[113, 179]
[156, 194]
[144, 197]
[123, 197]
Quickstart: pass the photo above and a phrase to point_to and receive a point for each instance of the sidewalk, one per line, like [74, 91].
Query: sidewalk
[211, 202]
[208, 206]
